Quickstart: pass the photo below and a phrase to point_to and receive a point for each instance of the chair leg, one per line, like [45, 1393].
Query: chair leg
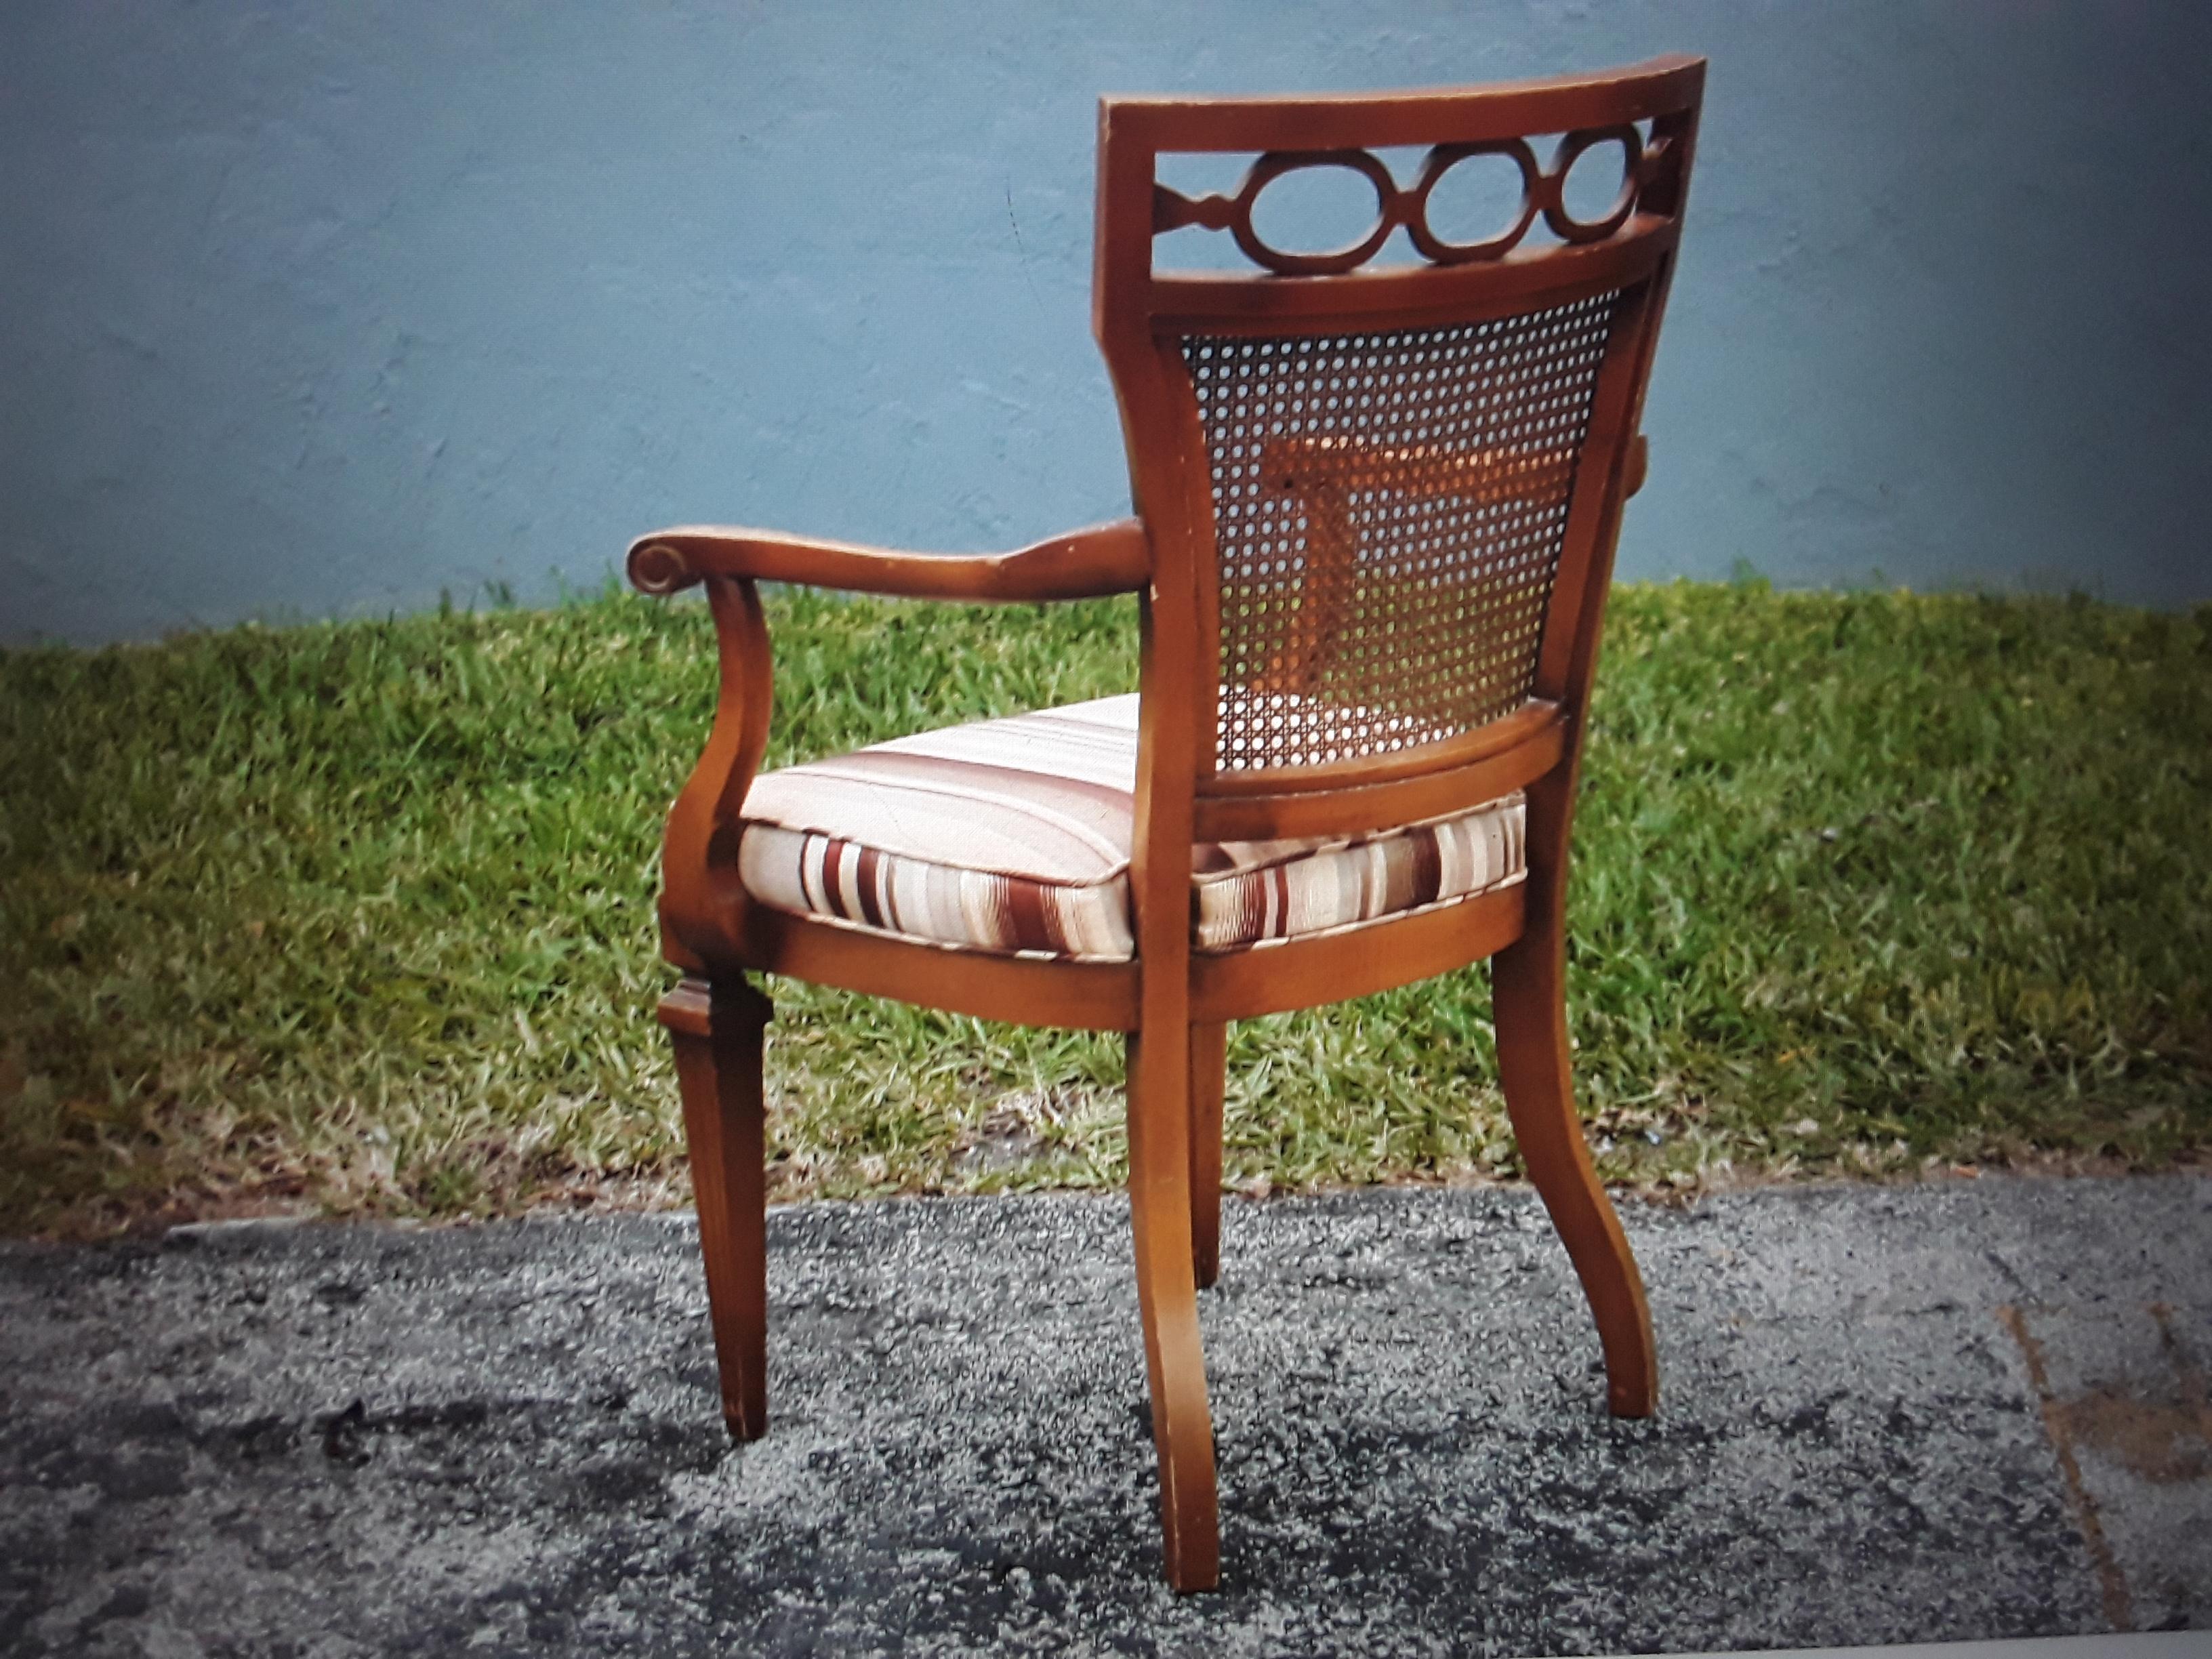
[1167, 1292]
[717, 1032]
[1209, 1064]
[1529, 985]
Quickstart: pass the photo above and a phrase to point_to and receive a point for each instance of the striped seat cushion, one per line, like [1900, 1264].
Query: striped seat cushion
[1012, 836]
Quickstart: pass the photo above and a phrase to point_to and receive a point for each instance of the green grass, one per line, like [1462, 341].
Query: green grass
[359, 917]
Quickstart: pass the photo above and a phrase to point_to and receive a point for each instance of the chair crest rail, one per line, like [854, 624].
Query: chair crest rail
[1542, 194]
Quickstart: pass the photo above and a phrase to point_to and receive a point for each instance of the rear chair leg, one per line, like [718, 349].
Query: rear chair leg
[718, 1030]
[1529, 987]
[1209, 1064]
[1166, 1293]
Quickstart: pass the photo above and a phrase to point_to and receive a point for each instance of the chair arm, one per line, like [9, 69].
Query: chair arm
[703, 908]
[1083, 564]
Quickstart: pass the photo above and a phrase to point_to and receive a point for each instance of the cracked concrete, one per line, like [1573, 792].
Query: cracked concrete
[1956, 1411]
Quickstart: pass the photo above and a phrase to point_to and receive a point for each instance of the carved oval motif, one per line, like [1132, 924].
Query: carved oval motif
[1563, 224]
[1441, 160]
[1272, 166]
[1542, 190]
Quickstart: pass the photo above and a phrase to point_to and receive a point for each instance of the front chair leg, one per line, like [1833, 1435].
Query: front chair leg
[1167, 1292]
[718, 1030]
[1209, 1066]
[1528, 987]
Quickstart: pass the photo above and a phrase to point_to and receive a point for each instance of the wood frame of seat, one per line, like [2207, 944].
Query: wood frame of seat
[1174, 1003]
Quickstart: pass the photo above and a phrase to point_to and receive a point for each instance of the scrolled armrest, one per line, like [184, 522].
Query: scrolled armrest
[703, 907]
[1083, 564]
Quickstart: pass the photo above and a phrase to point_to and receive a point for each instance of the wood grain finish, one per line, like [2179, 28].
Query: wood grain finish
[1083, 564]
[1542, 194]
[718, 1031]
[1302, 462]
[1662, 88]
[1357, 962]
[1528, 988]
[1353, 490]
[1083, 996]
[1416, 297]
[1394, 789]
[1209, 1076]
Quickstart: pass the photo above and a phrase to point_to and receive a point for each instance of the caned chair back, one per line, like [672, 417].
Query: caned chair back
[1382, 498]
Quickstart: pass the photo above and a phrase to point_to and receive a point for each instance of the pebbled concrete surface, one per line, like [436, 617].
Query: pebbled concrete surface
[1887, 1415]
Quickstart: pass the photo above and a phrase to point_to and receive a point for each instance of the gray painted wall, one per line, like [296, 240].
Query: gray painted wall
[325, 306]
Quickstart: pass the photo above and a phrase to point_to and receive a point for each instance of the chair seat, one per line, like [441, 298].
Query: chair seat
[1013, 837]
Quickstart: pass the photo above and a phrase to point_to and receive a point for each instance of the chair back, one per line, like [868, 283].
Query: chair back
[1383, 498]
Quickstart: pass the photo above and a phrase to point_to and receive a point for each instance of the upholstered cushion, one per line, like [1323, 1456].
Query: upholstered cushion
[1013, 835]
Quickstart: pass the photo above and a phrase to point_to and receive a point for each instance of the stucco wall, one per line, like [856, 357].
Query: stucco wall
[326, 306]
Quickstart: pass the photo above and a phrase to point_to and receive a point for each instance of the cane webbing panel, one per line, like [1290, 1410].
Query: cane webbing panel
[1388, 511]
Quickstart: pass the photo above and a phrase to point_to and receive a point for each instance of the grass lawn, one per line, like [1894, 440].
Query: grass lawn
[359, 917]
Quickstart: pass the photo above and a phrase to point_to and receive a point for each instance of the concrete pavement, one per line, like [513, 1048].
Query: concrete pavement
[1968, 1409]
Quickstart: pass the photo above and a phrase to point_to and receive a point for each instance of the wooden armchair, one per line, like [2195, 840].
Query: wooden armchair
[1376, 520]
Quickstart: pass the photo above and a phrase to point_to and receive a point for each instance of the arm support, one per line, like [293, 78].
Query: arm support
[702, 903]
[1083, 564]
